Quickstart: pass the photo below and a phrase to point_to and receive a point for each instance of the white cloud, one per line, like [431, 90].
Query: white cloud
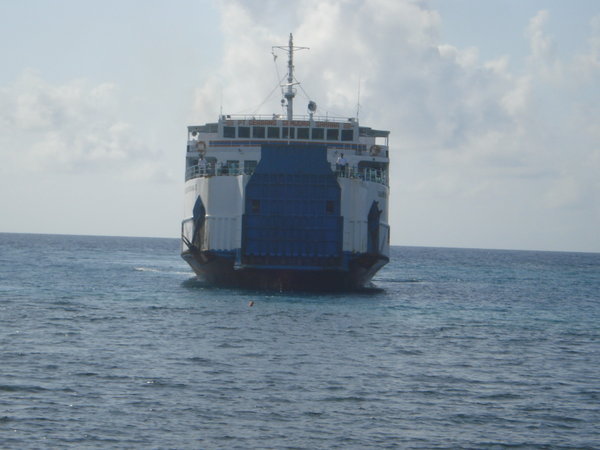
[71, 127]
[517, 98]
[543, 56]
[480, 132]
[587, 64]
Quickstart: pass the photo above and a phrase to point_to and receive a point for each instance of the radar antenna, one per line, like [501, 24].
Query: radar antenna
[290, 92]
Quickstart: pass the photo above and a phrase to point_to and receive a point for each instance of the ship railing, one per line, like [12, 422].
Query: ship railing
[283, 117]
[365, 174]
[211, 170]
[347, 171]
[197, 172]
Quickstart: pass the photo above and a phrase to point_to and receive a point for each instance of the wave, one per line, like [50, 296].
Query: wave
[155, 270]
[146, 269]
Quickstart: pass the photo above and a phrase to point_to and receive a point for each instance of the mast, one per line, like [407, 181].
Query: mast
[290, 92]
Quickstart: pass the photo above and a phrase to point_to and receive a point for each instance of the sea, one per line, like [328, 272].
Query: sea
[111, 342]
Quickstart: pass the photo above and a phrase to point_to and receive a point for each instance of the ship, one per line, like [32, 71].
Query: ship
[284, 201]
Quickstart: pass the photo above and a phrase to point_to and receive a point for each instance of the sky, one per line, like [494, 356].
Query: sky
[493, 108]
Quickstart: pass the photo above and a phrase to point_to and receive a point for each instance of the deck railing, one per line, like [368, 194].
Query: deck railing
[211, 170]
[365, 174]
[282, 117]
[352, 172]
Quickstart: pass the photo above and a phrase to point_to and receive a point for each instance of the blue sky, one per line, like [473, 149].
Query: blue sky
[494, 109]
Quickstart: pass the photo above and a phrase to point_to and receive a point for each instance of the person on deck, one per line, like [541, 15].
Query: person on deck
[341, 163]
[202, 165]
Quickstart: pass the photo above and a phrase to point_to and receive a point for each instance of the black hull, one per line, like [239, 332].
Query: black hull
[220, 271]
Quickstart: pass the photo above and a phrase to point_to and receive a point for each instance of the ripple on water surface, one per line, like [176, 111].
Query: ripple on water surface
[113, 343]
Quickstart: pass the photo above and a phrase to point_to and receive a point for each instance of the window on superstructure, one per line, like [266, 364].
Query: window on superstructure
[273, 132]
[348, 135]
[333, 134]
[258, 132]
[318, 133]
[232, 166]
[229, 132]
[249, 167]
[244, 132]
[302, 133]
[288, 133]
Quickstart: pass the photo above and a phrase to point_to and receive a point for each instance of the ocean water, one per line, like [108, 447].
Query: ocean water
[111, 343]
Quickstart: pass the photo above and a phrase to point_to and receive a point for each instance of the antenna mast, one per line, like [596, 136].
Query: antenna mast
[290, 92]
[358, 100]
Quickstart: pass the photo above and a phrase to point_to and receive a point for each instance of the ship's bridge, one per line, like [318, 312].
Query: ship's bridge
[309, 128]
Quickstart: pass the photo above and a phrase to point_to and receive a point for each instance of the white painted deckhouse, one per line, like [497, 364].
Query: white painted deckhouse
[293, 202]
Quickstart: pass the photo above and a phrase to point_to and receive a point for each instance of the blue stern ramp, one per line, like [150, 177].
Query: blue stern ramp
[292, 211]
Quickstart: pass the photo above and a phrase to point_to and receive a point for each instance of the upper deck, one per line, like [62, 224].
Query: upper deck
[234, 129]
[365, 149]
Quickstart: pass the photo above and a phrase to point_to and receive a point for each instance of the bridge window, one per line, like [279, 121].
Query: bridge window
[288, 133]
[302, 133]
[318, 133]
[244, 132]
[347, 135]
[229, 132]
[333, 134]
[273, 132]
[258, 132]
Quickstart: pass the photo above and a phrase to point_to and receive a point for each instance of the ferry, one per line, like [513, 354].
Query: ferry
[284, 201]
